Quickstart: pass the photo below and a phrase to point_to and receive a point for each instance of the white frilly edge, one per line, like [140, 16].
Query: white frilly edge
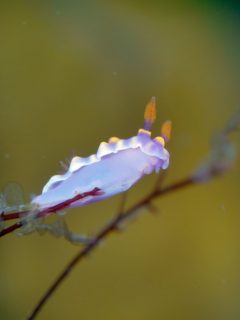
[142, 141]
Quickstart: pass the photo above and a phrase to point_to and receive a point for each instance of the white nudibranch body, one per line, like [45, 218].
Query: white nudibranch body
[116, 166]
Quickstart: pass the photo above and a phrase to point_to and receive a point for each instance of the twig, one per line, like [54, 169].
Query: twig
[11, 228]
[107, 230]
[12, 216]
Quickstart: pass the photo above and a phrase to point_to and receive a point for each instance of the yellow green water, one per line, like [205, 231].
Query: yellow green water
[73, 74]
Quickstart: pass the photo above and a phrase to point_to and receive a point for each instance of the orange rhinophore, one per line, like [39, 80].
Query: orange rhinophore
[150, 114]
[166, 130]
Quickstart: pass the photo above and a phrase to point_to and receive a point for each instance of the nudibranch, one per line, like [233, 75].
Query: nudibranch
[117, 165]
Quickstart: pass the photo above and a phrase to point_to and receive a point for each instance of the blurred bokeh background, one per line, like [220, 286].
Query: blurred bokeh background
[74, 73]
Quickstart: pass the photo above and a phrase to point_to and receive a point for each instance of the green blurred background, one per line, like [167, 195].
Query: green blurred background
[74, 73]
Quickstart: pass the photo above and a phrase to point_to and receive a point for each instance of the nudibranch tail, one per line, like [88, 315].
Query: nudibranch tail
[150, 114]
[166, 130]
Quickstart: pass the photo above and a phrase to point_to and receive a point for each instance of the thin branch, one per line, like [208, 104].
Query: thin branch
[11, 228]
[13, 215]
[106, 231]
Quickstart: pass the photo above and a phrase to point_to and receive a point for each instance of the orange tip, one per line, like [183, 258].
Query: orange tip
[150, 111]
[166, 130]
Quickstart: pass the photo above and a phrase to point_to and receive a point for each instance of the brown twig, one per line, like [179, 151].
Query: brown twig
[107, 230]
[13, 215]
[11, 228]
